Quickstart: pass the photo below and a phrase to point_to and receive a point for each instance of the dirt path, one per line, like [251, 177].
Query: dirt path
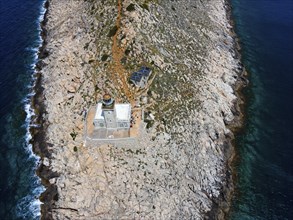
[118, 72]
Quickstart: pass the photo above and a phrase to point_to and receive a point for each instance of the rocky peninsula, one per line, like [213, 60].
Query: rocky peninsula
[180, 168]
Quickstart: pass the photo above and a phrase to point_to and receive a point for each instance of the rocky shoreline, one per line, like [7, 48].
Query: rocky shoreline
[185, 158]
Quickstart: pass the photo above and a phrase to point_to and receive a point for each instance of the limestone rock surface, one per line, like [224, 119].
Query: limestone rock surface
[179, 169]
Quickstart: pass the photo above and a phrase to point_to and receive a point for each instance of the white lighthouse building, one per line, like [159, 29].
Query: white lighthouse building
[112, 116]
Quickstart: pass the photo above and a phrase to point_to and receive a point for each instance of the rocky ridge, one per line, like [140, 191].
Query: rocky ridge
[180, 169]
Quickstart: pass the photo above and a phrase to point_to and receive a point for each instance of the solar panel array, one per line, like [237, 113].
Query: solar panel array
[143, 72]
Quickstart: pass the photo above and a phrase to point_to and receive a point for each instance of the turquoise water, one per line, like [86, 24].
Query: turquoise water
[265, 147]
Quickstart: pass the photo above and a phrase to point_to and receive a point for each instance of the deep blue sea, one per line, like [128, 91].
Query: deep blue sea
[265, 146]
[19, 42]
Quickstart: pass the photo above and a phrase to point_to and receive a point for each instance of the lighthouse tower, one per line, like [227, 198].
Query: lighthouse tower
[109, 112]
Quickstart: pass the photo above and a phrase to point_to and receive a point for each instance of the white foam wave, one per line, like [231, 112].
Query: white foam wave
[30, 205]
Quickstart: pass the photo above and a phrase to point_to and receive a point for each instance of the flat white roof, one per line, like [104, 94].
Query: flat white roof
[123, 112]
[99, 112]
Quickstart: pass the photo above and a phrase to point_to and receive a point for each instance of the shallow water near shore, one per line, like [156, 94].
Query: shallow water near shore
[20, 39]
[265, 147]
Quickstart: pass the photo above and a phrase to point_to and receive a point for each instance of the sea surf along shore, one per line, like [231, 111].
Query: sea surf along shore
[180, 167]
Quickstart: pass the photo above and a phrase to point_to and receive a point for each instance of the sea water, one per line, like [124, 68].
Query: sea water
[19, 42]
[265, 176]
[265, 146]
